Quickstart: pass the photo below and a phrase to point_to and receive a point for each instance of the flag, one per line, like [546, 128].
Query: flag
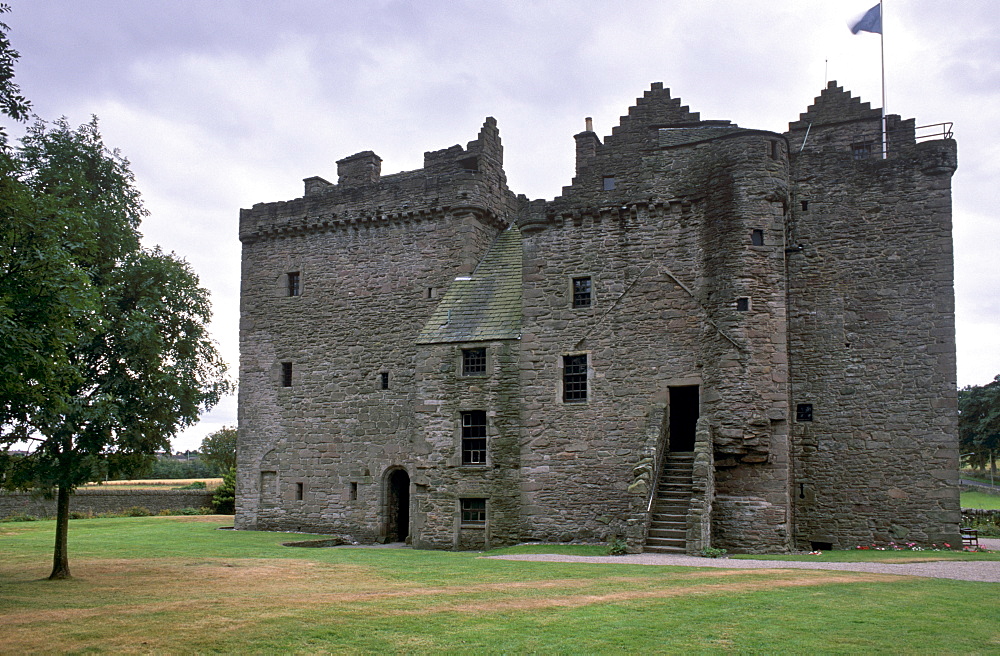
[870, 22]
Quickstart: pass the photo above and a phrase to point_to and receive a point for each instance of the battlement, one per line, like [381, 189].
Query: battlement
[470, 178]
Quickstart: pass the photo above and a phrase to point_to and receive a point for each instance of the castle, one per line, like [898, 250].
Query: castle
[715, 337]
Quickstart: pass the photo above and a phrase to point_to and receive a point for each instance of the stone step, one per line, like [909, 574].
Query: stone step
[669, 533]
[677, 543]
[649, 548]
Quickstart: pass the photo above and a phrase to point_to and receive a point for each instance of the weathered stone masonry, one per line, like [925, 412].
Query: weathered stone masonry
[703, 284]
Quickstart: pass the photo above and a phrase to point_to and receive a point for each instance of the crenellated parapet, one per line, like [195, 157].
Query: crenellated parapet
[453, 180]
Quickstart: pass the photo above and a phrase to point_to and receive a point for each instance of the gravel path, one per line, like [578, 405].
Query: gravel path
[968, 570]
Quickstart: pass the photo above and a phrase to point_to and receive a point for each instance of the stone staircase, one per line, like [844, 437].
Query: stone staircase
[668, 524]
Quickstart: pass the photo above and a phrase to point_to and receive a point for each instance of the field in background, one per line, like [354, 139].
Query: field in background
[156, 484]
[180, 585]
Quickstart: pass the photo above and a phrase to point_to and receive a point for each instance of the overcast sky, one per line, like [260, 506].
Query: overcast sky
[221, 104]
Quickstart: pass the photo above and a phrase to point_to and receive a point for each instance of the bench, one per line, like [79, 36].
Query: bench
[970, 537]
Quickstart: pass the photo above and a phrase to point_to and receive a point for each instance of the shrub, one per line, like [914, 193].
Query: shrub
[20, 518]
[136, 511]
[197, 485]
[617, 546]
[712, 552]
[224, 501]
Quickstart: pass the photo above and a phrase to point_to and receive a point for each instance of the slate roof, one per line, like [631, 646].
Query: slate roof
[487, 305]
[681, 136]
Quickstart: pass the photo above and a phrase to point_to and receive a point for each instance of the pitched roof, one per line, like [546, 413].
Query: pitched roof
[485, 305]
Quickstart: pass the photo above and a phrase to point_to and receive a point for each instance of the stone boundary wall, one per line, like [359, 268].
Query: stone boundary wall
[969, 486]
[101, 501]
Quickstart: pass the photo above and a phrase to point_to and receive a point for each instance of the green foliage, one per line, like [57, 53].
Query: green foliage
[979, 423]
[197, 485]
[12, 103]
[136, 511]
[167, 467]
[712, 552]
[224, 501]
[617, 546]
[219, 449]
[21, 517]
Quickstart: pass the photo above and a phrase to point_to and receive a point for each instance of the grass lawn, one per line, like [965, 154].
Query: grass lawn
[179, 585]
[980, 500]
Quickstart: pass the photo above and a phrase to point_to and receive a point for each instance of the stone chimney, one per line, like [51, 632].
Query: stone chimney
[587, 143]
[360, 169]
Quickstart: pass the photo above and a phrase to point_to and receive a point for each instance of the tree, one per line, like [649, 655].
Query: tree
[224, 499]
[219, 449]
[108, 353]
[979, 423]
[12, 103]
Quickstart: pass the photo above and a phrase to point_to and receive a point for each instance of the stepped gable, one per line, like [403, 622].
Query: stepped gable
[835, 105]
[485, 305]
[656, 108]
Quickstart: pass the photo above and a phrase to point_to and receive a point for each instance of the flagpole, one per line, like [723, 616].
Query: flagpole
[885, 125]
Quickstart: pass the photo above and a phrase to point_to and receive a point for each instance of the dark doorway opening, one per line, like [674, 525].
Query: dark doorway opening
[397, 527]
[683, 417]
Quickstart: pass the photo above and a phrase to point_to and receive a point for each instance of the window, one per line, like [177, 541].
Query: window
[294, 283]
[473, 511]
[286, 374]
[385, 380]
[757, 238]
[574, 378]
[862, 150]
[608, 183]
[474, 437]
[473, 361]
[805, 205]
[743, 304]
[581, 292]
[354, 491]
[299, 489]
[804, 412]
[775, 149]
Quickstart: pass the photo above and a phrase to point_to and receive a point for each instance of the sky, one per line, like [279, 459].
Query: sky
[221, 104]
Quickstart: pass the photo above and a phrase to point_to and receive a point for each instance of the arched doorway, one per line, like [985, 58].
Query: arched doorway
[397, 506]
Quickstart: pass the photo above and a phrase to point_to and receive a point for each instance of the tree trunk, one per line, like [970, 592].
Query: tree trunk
[60, 557]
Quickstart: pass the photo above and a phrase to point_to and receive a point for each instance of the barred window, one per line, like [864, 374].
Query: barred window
[574, 378]
[581, 292]
[863, 150]
[294, 283]
[473, 511]
[474, 437]
[473, 361]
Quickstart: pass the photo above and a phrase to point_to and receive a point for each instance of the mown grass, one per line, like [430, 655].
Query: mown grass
[981, 500]
[179, 585]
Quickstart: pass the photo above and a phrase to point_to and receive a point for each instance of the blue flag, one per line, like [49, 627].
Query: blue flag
[870, 22]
